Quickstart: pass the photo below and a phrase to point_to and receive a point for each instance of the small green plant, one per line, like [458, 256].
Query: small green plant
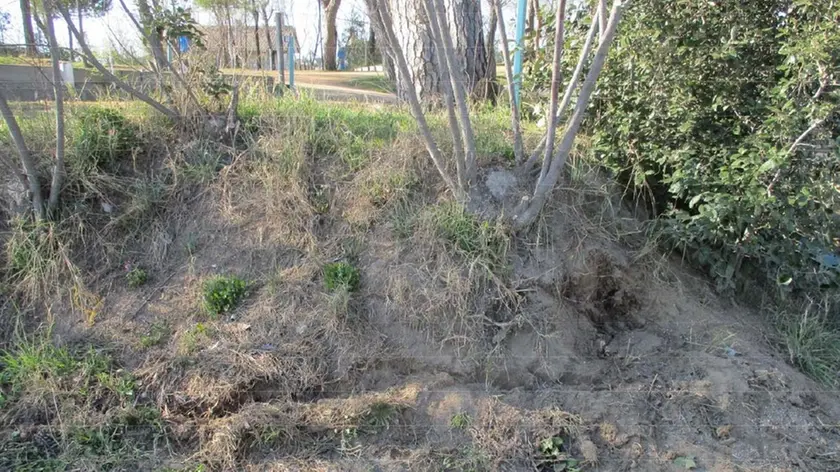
[99, 136]
[136, 277]
[157, 333]
[379, 416]
[191, 338]
[554, 458]
[460, 421]
[221, 294]
[341, 276]
[812, 341]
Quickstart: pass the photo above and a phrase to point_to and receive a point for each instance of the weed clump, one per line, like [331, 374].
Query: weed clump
[222, 294]
[341, 275]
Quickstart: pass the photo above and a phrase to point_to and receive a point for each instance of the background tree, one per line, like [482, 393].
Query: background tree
[223, 11]
[28, 29]
[5, 22]
[413, 32]
[331, 37]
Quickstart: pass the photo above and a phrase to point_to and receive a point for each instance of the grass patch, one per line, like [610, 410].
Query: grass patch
[221, 294]
[482, 241]
[99, 137]
[811, 339]
[460, 421]
[376, 83]
[192, 338]
[341, 276]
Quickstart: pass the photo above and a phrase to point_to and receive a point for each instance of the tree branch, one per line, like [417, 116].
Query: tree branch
[31, 179]
[556, 78]
[113, 78]
[58, 89]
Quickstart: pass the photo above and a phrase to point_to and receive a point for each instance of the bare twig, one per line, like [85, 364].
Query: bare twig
[570, 88]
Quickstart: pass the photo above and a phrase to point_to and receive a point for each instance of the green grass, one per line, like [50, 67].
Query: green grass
[812, 341]
[221, 294]
[341, 276]
[375, 83]
[482, 241]
[155, 336]
[136, 277]
[460, 421]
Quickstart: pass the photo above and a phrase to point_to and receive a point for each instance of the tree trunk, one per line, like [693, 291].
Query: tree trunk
[154, 41]
[331, 40]
[58, 88]
[490, 43]
[378, 31]
[256, 14]
[30, 171]
[412, 30]
[28, 29]
[231, 39]
[264, 11]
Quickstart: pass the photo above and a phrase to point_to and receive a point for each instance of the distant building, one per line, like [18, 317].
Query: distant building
[216, 39]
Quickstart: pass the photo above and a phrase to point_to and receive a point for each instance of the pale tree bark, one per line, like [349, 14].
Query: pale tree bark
[377, 29]
[29, 176]
[58, 89]
[490, 43]
[527, 213]
[449, 100]
[414, 36]
[331, 39]
[108, 75]
[518, 147]
[28, 29]
[458, 81]
[556, 80]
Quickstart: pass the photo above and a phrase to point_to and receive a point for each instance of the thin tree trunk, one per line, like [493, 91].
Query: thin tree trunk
[155, 45]
[527, 213]
[58, 88]
[28, 29]
[456, 77]
[231, 39]
[108, 75]
[399, 58]
[256, 14]
[556, 79]
[490, 42]
[518, 147]
[570, 88]
[264, 10]
[331, 39]
[448, 97]
[30, 179]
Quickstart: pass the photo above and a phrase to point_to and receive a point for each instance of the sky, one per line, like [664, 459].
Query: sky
[116, 24]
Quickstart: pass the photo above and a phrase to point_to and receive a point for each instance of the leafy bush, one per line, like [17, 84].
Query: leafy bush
[341, 276]
[221, 294]
[99, 137]
[703, 109]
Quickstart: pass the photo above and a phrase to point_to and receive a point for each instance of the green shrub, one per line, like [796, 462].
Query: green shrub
[341, 276]
[699, 108]
[99, 137]
[221, 294]
[136, 277]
